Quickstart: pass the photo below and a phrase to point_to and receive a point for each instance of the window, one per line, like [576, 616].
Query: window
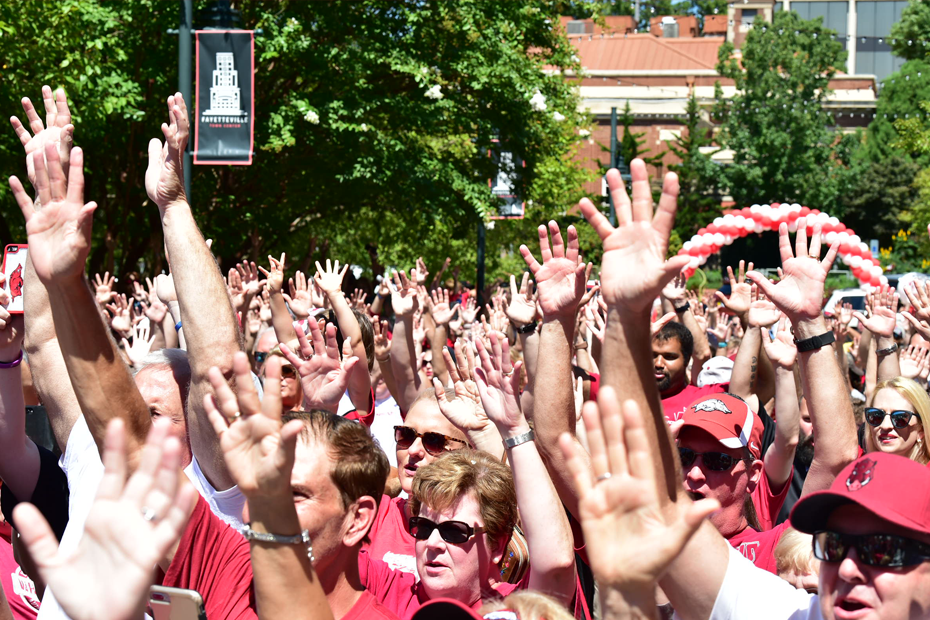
[748, 16]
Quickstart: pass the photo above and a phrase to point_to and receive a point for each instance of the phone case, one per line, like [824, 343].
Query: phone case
[175, 604]
[14, 267]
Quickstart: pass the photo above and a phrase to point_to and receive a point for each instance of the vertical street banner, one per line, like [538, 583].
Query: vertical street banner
[225, 97]
[504, 185]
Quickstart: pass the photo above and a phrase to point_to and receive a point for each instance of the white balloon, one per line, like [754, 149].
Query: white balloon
[749, 224]
[854, 239]
[708, 239]
[830, 237]
[718, 239]
[703, 259]
[718, 221]
[795, 207]
[727, 239]
[758, 227]
[687, 245]
[793, 226]
[754, 208]
[696, 239]
[855, 261]
[883, 280]
[843, 236]
[834, 220]
[876, 271]
[844, 258]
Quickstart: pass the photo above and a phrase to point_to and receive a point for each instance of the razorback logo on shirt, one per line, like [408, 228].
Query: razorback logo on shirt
[24, 588]
[403, 563]
[712, 404]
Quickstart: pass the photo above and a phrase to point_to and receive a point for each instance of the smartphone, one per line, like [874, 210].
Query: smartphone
[14, 268]
[175, 604]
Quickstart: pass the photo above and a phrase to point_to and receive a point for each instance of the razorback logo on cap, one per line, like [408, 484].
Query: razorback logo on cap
[861, 474]
[712, 404]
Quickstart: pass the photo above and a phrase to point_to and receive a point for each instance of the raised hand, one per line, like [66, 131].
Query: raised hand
[259, 451]
[323, 376]
[912, 361]
[301, 300]
[560, 281]
[164, 177]
[659, 323]
[464, 411]
[844, 313]
[131, 526]
[103, 289]
[469, 310]
[419, 273]
[499, 386]
[164, 288]
[740, 291]
[57, 130]
[141, 344]
[59, 234]
[631, 541]
[522, 307]
[799, 293]
[437, 302]
[595, 322]
[274, 279]
[882, 306]
[156, 310]
[633, 268]
[782, 350]
[330, 279]
[248, 274]
[676, 291]
[404, 295]
[382, 342]
[762, 312]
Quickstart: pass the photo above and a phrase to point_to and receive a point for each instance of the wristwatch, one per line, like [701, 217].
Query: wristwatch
[682, 308]
[513, 442]
[529, 328]
[298, 539]
[888, 351]
[815, 342]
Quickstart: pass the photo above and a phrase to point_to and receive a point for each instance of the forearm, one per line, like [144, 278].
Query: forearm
[49, 374]
[387, 375]
[888, 366]
[862, 353]
[765, 378]
[403, 357]
[701, 345]
[377, 305]
[530, 344]
[158, 332]
[174, 312]
[19, 457]
[746, 364]
[629, 605]
[102, 383]
[832, 418]
[286, 586]
[544, 522]
[169, 332]
[437, 344]
[281, 319]
[779, 459]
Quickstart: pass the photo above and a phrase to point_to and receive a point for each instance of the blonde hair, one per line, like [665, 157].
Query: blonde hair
[794, 553]
[455, 474]
[528, 605]
[918, 398]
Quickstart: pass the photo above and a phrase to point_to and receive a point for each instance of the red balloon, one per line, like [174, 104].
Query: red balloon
[805, 211]
[702, 231]
[766, 222]
[840, 227]
[746, 212]
[793, 216]
[775, 205]
[843, 249]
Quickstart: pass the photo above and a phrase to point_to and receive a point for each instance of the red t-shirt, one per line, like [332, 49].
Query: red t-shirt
[368, 607]
[213, 559]
[400, 592]
[19, 589]
[391, 543]
[675, 406]
[759, 547]
[766, 503]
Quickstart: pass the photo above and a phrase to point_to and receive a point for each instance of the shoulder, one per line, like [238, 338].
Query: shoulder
[367, 607]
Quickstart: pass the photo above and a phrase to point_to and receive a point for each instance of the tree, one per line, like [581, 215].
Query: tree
[909, 34]
[698, 202]
[899, 100]
[883, 193]
[353, 158]
[784, 147]
[631, 142]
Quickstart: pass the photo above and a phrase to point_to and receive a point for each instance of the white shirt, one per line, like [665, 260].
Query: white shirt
[227, 505]
[750, 593]
[387, 416]
[84, 470]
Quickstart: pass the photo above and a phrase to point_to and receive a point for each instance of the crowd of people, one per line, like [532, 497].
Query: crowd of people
[596, 442]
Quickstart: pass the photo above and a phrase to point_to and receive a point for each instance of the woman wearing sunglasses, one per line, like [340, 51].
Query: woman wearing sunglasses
[292, 394]
[896, 418]
[465, 506]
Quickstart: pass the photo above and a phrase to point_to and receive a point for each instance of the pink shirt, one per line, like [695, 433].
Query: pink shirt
[367, 607]
[391, 543]
[19, 588]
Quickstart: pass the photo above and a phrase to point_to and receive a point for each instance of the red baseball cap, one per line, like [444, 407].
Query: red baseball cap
[891, 487]
[449, 609]
[729, 419]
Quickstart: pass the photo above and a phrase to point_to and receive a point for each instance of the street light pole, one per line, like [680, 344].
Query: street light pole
[613, 161]
[184, 79]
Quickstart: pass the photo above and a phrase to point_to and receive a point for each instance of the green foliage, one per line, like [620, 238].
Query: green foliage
[378, 175]
[909, 34]
[899, 100]
[918, 216]
[784, 146]
[907, 253]
[698, 203]
[883, 192]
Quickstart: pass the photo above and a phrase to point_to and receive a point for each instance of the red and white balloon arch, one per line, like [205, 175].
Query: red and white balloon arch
[759, 218]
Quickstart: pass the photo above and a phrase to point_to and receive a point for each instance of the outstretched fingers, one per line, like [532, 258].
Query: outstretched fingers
[596, 219]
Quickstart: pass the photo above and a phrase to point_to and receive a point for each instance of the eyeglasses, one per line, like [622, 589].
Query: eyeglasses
[883, 550]
[714, 461]
[455, 532]
[899, 419]
[433, 443]
[288, 372]
[260, 357]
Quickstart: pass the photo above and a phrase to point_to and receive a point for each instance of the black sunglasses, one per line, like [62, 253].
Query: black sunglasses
[883, 550]
[455, 532]
[714, 461]
[899, 419]
[288, 371]
[260, 356]
[433, 443]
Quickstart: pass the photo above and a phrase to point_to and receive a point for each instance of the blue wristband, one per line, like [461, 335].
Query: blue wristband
[177, 327]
